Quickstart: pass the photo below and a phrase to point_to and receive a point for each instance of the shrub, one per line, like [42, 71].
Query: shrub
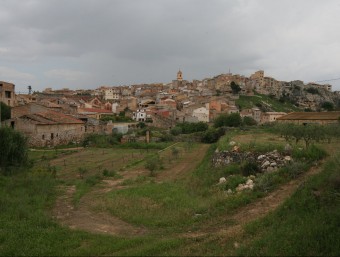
[312, 153]
[249, 121]
[212, 135]
[13, 148]
[294, 169]
[234, 180]
[249, 168]
[231, 120]
[267, 181]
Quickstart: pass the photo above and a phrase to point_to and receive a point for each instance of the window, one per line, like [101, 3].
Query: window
[43, 137]
[8, 94]
[52, 136]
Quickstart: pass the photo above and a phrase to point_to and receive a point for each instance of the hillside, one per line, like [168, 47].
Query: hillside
[265, 103]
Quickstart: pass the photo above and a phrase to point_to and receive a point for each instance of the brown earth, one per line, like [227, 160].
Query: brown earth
[87, 214]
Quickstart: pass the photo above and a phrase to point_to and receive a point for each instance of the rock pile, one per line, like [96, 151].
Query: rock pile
[267, 162]
[248, 185]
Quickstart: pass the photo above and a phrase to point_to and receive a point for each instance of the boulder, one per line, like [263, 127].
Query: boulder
[265, 164]
[232, 143]
[222, 180]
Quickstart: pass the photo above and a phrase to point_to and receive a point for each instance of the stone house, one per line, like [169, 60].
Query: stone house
[7, 93]
[48, 128]
[321, 118]
[268, 117]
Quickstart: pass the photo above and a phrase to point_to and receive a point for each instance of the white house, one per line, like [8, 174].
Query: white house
[112, 94]
[139, 115]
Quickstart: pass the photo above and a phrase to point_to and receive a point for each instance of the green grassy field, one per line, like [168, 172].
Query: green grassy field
[172, 208]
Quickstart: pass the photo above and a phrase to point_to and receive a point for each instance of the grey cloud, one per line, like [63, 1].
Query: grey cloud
[123, 42]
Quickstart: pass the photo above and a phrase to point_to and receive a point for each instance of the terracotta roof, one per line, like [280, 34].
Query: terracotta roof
[51, 117]
[94, 110]
[311, 116]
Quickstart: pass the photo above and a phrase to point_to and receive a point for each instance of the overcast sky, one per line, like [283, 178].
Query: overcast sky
[90, 43]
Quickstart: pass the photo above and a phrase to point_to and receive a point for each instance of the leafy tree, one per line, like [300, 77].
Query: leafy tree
[231, 120]
[312, 90]
[212, 135]
[235, 87]
[249, 121]
[5, 111]
[13, 148]
[152, 164]
[327, 106]
[188, 128]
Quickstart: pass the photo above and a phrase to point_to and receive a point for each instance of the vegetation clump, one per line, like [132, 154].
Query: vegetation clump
[13, 148]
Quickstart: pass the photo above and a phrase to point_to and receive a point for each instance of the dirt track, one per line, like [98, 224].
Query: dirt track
[87, 215]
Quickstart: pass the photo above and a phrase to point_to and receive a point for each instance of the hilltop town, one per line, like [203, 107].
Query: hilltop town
[70, 114]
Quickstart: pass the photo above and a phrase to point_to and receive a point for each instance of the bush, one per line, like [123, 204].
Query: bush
[231, 120]
[13, 148]
[249, 168]
[188, 127]
[212, 135]
[234, 180]
[267, 181]
[5, 111]
[312, 153]
[249, 121]
[176, 131]
[294, 169]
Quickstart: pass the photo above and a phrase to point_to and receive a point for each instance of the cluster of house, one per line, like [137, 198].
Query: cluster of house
[59, 116]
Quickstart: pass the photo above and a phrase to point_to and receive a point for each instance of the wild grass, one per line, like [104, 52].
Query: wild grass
[306, 224]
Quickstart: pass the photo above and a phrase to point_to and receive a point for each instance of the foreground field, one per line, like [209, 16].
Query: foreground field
[105, 202]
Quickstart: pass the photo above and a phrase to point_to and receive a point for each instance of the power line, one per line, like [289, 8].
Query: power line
[328, 80]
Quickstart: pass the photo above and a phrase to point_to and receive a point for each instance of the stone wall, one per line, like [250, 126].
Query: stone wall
[270, 161]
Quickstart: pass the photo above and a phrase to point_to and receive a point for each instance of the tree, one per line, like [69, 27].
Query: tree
[235, 88]
[249, 121]
[231, 120]
[13, 148]
[327, 106]
[5, 111]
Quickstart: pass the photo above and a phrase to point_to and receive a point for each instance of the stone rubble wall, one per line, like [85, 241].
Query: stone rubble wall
[267, 162]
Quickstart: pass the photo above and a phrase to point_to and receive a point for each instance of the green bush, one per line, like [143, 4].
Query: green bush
[229, 120]
[189, 127]
[312, 153]
[267, 181]
[5, 111]
[13, 148]
[212, 135]
[249, 121]
[249, 168]
[234, 180]
[294, 169]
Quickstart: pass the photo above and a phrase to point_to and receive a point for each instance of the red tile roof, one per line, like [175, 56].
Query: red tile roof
[311, 116]
[51, 117]
[94, 110]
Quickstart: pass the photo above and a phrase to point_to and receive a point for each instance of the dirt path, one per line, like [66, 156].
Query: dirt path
[188, 162]
[90, 215]
[83, 217]
[255, 210]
